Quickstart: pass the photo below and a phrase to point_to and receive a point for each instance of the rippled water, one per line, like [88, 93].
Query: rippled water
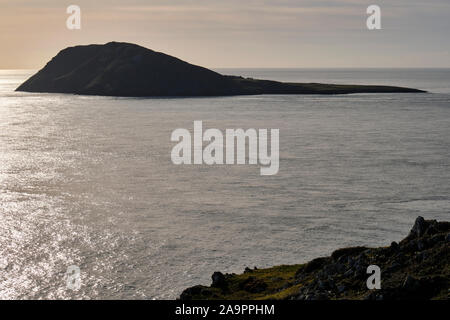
[89, 181]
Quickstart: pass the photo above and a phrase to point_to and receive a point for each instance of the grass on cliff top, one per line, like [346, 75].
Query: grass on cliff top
[279, 281]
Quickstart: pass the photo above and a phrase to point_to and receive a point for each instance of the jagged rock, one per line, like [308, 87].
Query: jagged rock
[394, 246]
[349, 272]
[196, 291]
[393, 267]
[347, 251]
[419, 227]
[420, 245]
[410, 283]
[315, 264]
[218, 280]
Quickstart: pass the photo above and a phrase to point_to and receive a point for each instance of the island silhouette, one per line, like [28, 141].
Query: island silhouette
[130, 70]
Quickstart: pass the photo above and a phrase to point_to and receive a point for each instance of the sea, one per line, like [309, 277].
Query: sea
[88, 188]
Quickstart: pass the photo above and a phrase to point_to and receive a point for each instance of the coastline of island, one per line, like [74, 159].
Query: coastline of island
[129, 70]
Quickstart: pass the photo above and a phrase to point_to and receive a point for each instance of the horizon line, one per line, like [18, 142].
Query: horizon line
[276, 68]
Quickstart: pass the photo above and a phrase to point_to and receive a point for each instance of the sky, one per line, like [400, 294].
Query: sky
[235, 33]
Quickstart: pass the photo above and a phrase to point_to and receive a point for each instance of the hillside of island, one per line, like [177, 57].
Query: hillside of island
[130, 70]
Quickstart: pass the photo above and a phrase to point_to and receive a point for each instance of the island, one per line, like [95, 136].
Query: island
[130, 70]
[416, 268]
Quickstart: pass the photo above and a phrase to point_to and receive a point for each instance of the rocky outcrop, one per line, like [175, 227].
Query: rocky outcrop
[418, 267]
[125, 69]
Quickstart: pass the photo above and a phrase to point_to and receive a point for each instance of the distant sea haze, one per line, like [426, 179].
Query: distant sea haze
[88, 181]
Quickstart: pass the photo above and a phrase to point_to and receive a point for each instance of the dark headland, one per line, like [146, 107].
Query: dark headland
[416, 268]
[124, 69]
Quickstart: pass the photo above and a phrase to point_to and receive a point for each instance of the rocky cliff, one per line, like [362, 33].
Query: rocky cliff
[418, 267]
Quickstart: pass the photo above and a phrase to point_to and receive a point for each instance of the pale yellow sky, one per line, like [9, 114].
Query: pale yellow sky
[232, 33]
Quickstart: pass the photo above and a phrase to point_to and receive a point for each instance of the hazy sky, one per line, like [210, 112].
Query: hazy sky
[236, 33]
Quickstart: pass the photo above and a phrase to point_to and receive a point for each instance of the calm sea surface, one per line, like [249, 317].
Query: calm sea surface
[88, 181]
